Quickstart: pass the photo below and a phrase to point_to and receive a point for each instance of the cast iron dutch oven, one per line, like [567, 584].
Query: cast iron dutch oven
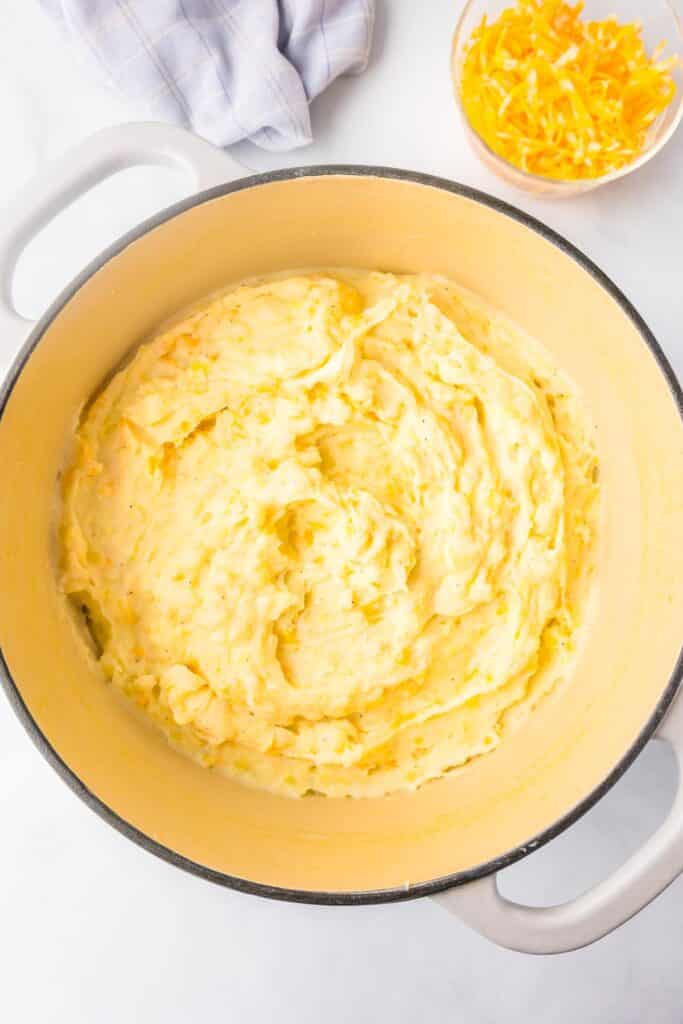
[452, 836]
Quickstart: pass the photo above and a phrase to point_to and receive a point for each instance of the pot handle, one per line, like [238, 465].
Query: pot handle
[596, 912]
[99, 156]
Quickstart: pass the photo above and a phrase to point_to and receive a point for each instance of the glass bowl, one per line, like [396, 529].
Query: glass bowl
[660, 20]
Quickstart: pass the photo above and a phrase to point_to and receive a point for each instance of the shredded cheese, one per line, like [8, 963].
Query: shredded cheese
[561, 97]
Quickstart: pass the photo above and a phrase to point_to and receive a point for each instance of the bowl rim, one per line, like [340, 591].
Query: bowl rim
[332, 897]
[544, 184]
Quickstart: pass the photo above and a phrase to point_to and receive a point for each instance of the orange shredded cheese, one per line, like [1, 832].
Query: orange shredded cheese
[561, 97]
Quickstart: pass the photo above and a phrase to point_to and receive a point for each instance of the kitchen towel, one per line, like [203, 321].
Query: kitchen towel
[228, 69]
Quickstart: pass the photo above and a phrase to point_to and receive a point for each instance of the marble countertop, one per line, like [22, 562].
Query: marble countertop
[93, 929]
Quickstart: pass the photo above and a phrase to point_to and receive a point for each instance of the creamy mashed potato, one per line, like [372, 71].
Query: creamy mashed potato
[335, 531]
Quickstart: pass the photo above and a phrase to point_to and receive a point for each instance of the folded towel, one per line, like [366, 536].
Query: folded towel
[229, 69]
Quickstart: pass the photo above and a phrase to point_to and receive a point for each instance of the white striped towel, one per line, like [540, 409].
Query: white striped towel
[229, 69]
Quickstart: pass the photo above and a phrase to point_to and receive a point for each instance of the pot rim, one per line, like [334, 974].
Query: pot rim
[371, 896]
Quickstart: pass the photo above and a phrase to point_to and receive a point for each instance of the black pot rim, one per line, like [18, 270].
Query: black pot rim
[362, 897]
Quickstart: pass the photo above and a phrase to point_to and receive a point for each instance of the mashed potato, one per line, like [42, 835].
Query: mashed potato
[335, 532]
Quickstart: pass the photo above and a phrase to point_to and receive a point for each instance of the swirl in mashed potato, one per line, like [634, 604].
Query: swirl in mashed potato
[335, 531]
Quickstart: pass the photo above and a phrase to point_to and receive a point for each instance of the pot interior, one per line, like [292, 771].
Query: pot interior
[572, 741]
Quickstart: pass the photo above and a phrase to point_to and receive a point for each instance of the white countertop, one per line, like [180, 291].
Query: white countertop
[93, 929]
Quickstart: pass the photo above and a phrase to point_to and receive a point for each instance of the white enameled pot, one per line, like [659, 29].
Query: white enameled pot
[452, 837]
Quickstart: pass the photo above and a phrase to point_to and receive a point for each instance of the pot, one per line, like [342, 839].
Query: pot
[453, 836]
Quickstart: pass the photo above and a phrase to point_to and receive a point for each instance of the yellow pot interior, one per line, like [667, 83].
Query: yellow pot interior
[571, 742]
